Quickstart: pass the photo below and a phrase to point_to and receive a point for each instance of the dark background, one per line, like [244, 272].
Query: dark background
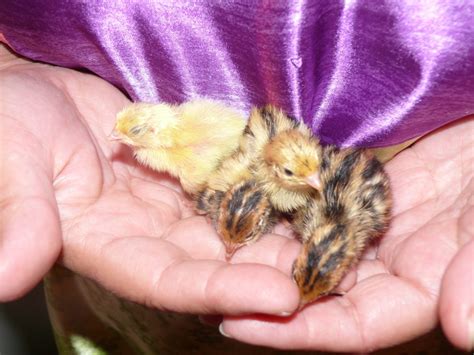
[25, 327]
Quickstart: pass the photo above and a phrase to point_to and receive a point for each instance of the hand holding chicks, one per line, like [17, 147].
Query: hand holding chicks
[410, 283]
[73, 197]
[340, 199]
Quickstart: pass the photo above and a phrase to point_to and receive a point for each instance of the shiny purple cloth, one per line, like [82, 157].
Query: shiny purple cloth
[366, 73]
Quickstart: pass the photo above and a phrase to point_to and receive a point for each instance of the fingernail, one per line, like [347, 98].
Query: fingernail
[221, 330]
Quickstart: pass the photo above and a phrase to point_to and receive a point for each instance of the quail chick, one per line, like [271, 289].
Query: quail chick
[241, 215]
[187, 141]
[236, 203]
[288, 159]
[282, 158]
[244, 215]
[352, 209]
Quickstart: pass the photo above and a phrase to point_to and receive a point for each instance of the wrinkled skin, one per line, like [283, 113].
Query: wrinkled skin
[68, 194]
[421, 272]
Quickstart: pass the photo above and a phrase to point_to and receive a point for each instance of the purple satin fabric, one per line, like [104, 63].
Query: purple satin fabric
[364, 73]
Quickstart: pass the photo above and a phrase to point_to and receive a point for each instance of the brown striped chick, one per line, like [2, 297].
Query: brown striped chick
[231, 171]
[187, 141]
[240, 215]
[289, 170]
[275, 150]
[280, 153]
[353, 209]
[235, 203]
[264, 124]
[244, 215]
[288, 157]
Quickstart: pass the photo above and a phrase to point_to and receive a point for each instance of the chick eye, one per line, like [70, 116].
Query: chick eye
[249, 236]
[136, 130]
[288, 172]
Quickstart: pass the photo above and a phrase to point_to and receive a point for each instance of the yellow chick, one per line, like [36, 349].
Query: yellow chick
[187, 141]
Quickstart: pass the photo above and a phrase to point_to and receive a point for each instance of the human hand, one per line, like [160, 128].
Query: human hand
[421, 271]
[68, 192]
[128, 229]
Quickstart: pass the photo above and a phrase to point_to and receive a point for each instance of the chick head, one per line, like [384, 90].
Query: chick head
[293, 159]
[321, 264]
[144, 125]
[245, 214]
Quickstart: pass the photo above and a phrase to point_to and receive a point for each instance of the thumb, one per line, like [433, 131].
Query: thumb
[457, 299]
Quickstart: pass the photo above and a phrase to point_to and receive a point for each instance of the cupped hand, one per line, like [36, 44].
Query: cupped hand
[70, 194]
[421, 271]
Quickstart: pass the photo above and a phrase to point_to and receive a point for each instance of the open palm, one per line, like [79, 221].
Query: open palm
[421, 270]
[68, 192]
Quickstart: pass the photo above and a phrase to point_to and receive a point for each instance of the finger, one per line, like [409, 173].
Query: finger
[272, 249]
[347, 282]
[431, 245]
[410, 182]
[457, 299]
[30, 232]
[369, 268]
[157, 273]
[429, 172]
[197, 237]
[382, 311]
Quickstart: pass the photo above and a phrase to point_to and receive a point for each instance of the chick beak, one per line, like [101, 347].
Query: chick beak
[114, 135]
[314, 181]
[230, 250]
[301, 305]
